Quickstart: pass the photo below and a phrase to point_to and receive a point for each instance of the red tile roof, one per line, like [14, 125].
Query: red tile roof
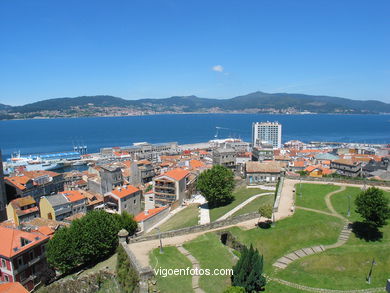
[196, 164]
[177, 174]
[142, 216]
[12, 287]
[73, 195]
[123, 191]
[10, 244]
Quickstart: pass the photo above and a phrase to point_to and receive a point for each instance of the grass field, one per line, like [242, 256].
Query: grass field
[211, 254]
[240, 195]
[185, 218]
[254, 205]
[171, 259]
[340, 202]
[313, 195]
[304, 229]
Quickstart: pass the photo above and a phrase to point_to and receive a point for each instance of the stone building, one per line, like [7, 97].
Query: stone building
[263, 172]
[347, 167]
[125, 198]
[22, 210]
[225, 157]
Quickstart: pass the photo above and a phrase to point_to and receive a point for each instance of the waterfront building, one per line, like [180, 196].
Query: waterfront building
[22, 210]
[124, 198]
[3, 197]
[171, 187]
[22, 256]
[267, 132]
[34, 183]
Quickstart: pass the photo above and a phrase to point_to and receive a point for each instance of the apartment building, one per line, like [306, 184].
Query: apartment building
[170, 187]
[267, 132]
[22, 256]
[22, 210]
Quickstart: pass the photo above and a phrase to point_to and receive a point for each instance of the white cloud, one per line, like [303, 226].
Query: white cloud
[218, 68]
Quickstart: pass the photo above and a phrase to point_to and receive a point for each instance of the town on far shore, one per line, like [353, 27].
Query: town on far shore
[157, 184]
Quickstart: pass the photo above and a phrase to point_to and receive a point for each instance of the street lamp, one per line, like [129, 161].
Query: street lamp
[159, 237]
[273, 219]
[370, 272]
[300, 187]
[349, 206]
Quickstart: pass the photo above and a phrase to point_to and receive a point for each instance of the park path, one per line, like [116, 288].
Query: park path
[142, 249]
[241, 205]
[285, 260]
[195, 266]
[204, 214]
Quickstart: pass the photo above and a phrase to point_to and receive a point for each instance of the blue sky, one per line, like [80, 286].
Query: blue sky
[213, 49]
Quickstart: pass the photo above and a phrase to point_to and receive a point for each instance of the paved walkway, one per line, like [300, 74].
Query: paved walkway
[241, 205]
[204, 214]
[142, 249]
[285, 260]
[195, 265]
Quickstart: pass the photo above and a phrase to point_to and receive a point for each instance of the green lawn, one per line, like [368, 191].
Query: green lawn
[274, 287]
[254, 205]
[185, 218]
[240, 195]
[340, 202]
[313, 195]
[304, 229]
[171, 259]
[211, 254]
[345, 267]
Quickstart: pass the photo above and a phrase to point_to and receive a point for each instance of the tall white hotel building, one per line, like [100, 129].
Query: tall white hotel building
[267, 132]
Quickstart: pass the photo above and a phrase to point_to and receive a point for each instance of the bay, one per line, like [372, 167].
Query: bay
[54, 135]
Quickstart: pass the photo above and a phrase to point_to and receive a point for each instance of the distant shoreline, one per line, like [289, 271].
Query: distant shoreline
[194, 113]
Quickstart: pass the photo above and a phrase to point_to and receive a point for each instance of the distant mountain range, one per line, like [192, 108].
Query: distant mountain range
[257, 102]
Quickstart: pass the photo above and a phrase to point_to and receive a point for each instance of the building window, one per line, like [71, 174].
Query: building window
[3, 263]
[6, 278]
[135, 201]
[20, 261]
[31, 255]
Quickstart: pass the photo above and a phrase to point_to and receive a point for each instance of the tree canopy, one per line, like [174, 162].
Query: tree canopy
[248, 271]
[216, 185]
[87, 240]
[266, 211]
[373, 206]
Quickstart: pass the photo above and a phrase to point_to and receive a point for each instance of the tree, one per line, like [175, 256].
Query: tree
[266, 211]
[126, 221]
[373, 206]
[85, 242]
[247, 272]
[216, 185]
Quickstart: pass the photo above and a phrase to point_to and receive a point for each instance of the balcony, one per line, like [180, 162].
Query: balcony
[29, 263]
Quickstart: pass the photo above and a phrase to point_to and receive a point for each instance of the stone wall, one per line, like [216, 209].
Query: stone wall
[199, 228]
[89, 283]
[145, 274]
